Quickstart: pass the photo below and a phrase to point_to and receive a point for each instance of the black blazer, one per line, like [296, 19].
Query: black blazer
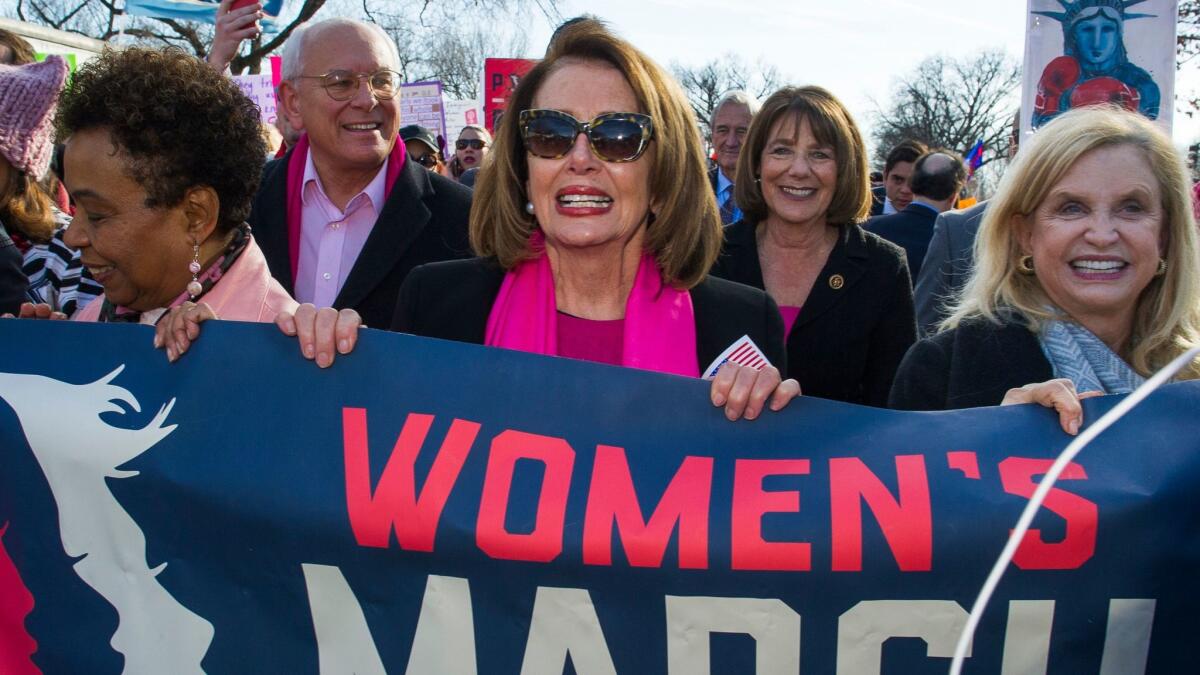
[423, 220]
[13, 283]
[910, 229]
[857, 322]
[452, 301]
[970, 366]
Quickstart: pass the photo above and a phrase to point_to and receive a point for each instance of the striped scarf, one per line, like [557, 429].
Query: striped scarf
[1077, 354]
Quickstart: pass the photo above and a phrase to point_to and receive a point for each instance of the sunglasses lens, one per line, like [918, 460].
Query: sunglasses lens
[549, 137]
[617, 140]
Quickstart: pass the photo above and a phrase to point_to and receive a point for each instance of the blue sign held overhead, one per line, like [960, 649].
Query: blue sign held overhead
[204, 11]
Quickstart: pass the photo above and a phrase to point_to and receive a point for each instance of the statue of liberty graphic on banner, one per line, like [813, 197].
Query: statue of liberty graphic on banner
[1095, 66]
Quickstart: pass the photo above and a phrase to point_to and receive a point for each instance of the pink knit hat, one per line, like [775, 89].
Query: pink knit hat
[28, 97]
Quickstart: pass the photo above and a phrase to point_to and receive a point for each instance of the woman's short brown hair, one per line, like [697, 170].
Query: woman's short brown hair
[832, 125]
[685, 233]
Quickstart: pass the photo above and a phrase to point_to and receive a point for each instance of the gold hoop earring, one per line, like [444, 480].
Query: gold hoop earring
[1025, 265]
[1162, 267]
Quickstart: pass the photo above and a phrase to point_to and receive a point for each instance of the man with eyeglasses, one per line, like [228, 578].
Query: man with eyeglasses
[346, 213]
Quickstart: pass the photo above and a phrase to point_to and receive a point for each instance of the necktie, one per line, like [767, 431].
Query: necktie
[728, 206]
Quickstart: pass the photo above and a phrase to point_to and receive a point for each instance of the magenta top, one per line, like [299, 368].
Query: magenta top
[588, 340]
[789, 315]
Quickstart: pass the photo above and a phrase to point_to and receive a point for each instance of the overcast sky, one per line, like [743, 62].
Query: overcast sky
[855, 48]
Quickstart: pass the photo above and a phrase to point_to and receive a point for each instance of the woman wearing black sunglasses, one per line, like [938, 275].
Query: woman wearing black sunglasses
[597, 226]
[470, 149]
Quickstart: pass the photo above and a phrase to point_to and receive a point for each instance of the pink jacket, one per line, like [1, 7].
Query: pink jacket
[247, 292]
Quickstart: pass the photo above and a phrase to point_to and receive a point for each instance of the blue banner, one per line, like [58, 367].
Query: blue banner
[430, 507]
[197, 10]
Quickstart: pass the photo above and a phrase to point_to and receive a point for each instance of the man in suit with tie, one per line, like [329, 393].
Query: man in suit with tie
[730, 121]
[346, 213]
[936, 180]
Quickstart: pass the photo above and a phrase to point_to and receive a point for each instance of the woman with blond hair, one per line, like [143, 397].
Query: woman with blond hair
[1086, 277]
[470, 149]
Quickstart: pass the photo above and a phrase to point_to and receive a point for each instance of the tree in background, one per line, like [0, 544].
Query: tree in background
[446, 40]
[101, 19]
[953, 103]
[449, 41]
[705, 84]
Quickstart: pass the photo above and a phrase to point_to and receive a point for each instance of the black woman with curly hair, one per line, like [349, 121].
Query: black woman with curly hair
[163, 156]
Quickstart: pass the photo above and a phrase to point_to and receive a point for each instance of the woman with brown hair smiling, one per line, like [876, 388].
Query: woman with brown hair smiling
[845, 294]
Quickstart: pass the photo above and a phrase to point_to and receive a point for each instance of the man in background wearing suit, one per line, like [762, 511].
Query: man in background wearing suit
[951, 255]
[947, 264]
[346, 213]
[730, 121]
[936, 180]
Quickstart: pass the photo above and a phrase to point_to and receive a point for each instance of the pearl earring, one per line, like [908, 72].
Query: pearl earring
[194, 288]
[529, 208]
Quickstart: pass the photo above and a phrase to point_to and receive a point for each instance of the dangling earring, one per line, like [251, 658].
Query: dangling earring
[1025, 265]
[529, 208]
[194, 288]
[1162, 267]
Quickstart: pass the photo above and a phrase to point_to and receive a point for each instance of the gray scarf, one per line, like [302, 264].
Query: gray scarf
[1078, 355]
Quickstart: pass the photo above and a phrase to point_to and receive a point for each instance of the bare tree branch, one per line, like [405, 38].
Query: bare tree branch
[705, 84]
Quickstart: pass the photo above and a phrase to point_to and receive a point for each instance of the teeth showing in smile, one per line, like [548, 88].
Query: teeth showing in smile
[370, 126]
[98, 270]
[798, 192]
[584, 201]
[1098, 265]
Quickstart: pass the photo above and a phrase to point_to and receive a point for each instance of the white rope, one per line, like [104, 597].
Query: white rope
[1066, 457]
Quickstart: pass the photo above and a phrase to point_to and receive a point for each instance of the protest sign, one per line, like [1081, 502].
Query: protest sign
[500, 77]
[260, 88]
[197, 10]
[460, 114]
[421, 103]
[431, 507]
[1099, 51]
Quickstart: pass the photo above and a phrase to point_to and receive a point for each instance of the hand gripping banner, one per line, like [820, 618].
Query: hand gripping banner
[429, 507]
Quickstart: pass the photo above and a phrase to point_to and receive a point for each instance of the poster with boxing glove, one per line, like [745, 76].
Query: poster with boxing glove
[1086, 52]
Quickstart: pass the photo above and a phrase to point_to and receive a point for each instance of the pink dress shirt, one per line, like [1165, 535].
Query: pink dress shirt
[331, 239]
[247, 292]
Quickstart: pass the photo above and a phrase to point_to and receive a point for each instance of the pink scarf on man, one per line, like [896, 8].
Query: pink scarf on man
[660, 324]
[295, 176]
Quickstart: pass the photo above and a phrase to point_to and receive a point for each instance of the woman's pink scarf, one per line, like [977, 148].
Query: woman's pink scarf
[660, 324]
[295, 176]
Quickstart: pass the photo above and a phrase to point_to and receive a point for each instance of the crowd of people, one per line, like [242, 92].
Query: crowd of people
[595, 226]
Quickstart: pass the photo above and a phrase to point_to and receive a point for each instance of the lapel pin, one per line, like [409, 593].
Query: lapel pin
[836, 282]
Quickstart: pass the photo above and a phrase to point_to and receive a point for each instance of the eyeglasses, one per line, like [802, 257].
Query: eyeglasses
[428, 161]
[613, 137]
[472, 143]
[342, 85]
